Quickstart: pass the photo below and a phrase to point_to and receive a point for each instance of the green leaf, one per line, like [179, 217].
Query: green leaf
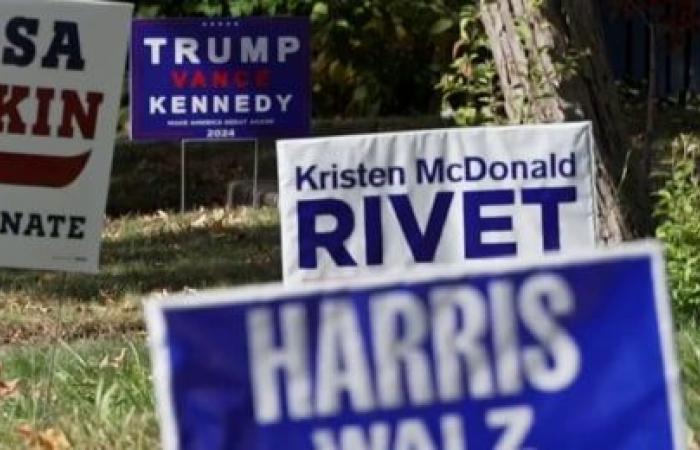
[441, 25]
[319, 11]
[342, 23]
[360, 94]
[523, 30]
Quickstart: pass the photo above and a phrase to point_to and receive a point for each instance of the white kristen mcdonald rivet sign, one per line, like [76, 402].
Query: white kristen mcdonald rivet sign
[353, 205]
[61, 75]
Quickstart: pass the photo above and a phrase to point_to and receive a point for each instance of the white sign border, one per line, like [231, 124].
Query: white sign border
[287, 246]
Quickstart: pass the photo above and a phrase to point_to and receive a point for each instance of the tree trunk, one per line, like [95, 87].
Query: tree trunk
[651, 99]
[552, 67]
[225, 8]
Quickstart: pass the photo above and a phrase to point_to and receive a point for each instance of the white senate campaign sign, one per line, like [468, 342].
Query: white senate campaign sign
[351, 205]
[61, 74]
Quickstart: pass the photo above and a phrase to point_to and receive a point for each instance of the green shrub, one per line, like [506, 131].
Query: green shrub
[678, 213]
[470, 91]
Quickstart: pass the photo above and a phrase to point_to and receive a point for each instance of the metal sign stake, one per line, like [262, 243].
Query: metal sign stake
[183, 174]
[256, 199]
[183, 167]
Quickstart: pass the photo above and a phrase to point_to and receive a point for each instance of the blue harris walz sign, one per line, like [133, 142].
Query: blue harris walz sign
[572, 353]
[220, 78]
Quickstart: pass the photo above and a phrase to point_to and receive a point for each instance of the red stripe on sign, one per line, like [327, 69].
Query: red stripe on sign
[41, 170]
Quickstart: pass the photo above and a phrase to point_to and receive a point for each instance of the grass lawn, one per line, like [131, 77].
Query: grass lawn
[101, 395]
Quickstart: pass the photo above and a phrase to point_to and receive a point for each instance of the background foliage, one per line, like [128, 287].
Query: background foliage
[470, 91]
[678, 212]
[370, 57]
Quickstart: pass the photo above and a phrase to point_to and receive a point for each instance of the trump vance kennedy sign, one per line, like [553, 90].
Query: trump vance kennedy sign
[60, 87]
[354, 204]
[570, 353]
[212, 78]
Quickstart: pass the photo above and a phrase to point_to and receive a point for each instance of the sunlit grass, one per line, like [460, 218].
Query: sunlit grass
[141, 255]
[100, 395]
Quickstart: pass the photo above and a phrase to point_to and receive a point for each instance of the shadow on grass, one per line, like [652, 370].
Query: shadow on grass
[171, 261]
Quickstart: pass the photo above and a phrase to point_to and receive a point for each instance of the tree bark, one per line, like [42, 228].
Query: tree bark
[651, 99]
[225, 8]
[534, 48]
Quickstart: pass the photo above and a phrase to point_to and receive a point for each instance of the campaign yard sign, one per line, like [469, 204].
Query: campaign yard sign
[356, 204]
[213, 78]
[570, 352]
[60, 87]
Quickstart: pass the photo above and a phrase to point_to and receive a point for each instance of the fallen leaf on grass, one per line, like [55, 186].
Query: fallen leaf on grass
[128, 306]
[114, 362]
[13, 336]
[8, 388]
[200, 222]
[29, 306]
[107, 297]
[49, 439]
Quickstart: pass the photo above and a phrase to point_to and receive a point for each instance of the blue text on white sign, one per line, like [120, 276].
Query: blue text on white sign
[352, 205]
